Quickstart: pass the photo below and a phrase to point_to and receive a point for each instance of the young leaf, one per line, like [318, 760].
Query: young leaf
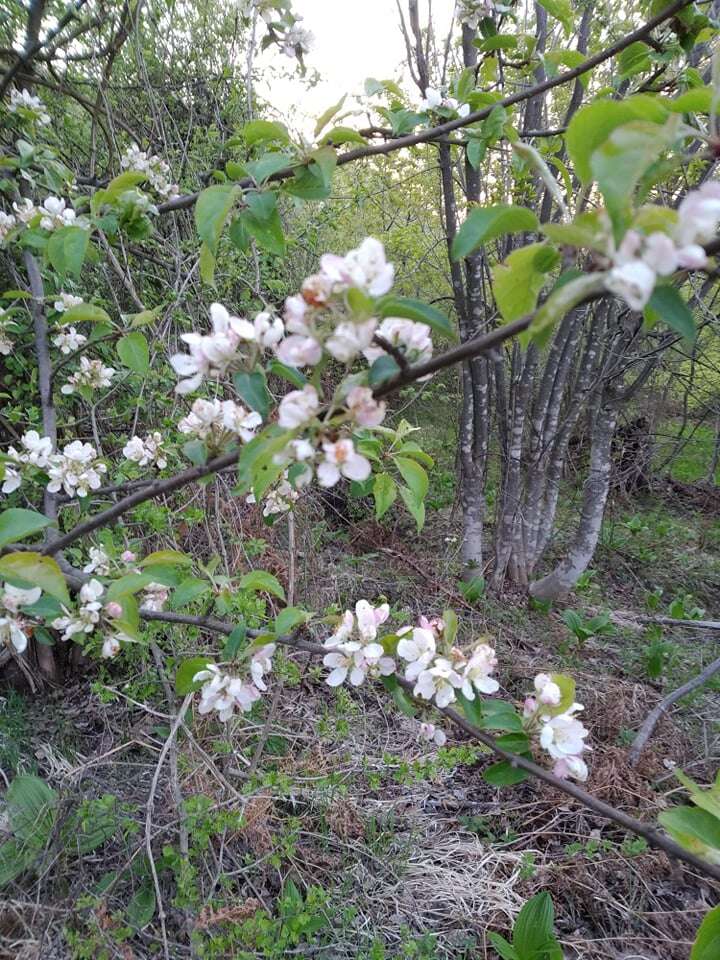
[414, 476]
[487, 223]
[327, 116]
[31, 808]
[211, 211]
[667, 304]
[291, 374]
[289, 618]
[166, 558]
[384, 493]
[415, 506]
[506, 950]
[262, 221]
[265, 131]
[518, 281]
[707, 942]
[66, 250]
[235, 641]
[17, 523]
[141, 908]
[35, 570]
[184, 682]
[534, 925]
[504, 774]
[188, 590]
[416, 310]
[252, 387]
[86, 311]
[134, 352]
[260, 581]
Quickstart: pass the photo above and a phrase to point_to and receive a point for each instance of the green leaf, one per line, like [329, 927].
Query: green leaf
[487, 223]
[708, 799]
[341, 135]
[267, 165]
[207, 265]
[707, 942]
[402, 701]
[291, 374]
[506, 950]
[129, 584]
[472, 709]
[561, 10]
[252, 387]
[262, 221]
[86, 311]
[384, 493]
[260, 581]
[500, 715]
[134, 352]
[327, 116]
[698, 100]
[592, 125]
[187, 591]
[666, 304]
[15, 858]
[211, 211]
[518, 281]
[235, 640]
[562, 299]
[117, 186]
[695, 829]
[414, 476]
[66, 250]
[634, 59]
[534, 925]
[17, 523]
[141, 908]
[289, 618]
[504, 774]
[265, 131]
[384, 368]
[35, 570]
[31, 808]
[415, 310]
[415, 506]
[166, 558]
[184, 682]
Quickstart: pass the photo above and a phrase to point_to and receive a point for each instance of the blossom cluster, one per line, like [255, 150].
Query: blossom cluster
[225, 693]
[35, 451]
[216, 421]
[53, 214]
[154, 595]
[561, 734]
[215, 354]
[13, 626]
[279, 499]
[76, 470]
[154, 167]
[354, 651]
[22, 101]
[92, 374]
[148, 452]
[434, 99]
[87, 617]
[469, 13]
[640, 259]
[68, 340]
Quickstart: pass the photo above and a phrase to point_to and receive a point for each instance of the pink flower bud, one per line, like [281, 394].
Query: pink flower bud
[113, 609]
[127, 556]
[529, 707]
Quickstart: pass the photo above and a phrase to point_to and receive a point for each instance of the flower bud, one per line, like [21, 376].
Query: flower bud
[127, 556]
[113, 609]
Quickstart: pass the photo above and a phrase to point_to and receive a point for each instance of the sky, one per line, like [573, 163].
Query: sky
[354, 39]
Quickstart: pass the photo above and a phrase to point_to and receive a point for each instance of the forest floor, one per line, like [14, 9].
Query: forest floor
[322, 828]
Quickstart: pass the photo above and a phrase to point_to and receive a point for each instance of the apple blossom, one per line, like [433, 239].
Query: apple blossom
[563, 735]
[364, 268]
[66, 301]
[211, 355]
[88, 614]
[364, 409]
[113, 609]
[110, 647]
[56, 214]
[36, 449]
[296, 41]
[571, 766]
[25, 210]
[127, 556]
[261, 664]
[431, 734]
[224, 693]
[155, 168]
[299, 351]
[439, 682]
[12, 478]
[348, 339]
[12, 634]
[99, 562]
[7, 224]
[69, 340]
[548, 692]
[23, 99]
[77, 469]
[357, 661]
[146, 452]
[634, 282]
[417, 646]
[699, 215]
[269, 329]
[433, 99]
[92, 374]
[341, 459]
[279, 499]
[155, 596]
[12, 598]
[298, 407]
[413, 339]
[476, 672]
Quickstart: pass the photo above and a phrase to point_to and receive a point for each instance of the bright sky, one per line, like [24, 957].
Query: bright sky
[354, 39]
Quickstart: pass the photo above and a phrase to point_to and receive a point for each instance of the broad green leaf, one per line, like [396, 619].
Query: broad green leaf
[696, 829]
[506, 950]
[587, 230]
[500, 715]
[260, 581]
[31, 808]
[35, 570]
[235, 641]
[257, 468]
[707, 942]
[129, 584]
[384, 368]
[267, 165]
[487, 223]
[517, 281]
[707, 798]
[262, 221]
[667, 305]
[634, 59]
[265, 131]
[211, 211]
[698, 100]
[534, 925]
[66, 250]
[327, 116]
[184, 682]
[17, 523]
[291, 374]
[561, 10]
[141, 908]
[504, 774]
[402, 700]
[592, 125]
[561, 301]
[472, 709]
[384, 493]
[166, 558]
[134, 352]
[86, 311]
[117, 186]
[341, 135]
[252, 388]
[414, 504]
[289, 618]
[15, 858]
[414, 476]
[416, 310]
[207, 265]
[187, 591]
[499, 41]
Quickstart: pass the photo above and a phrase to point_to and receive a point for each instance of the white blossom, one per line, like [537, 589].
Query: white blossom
[357, 661]
[417, 645]
[69, 340]
[12, 478]
[154, 167]
[211, 355]
[563, 735]
[24, 100]
[348, 339]
[13, 598]
[431, 734]
[296, 40]
[433, 99]
[12, 634]
[110, 647]
[216, 419]
[36, 450]
[299, 351]
[55, 213]
[413, 339]
[364, 268]
[88, 613]
[364, 409]
[25, 210]
[571, 766]
[7, 223]
[476, 672]
[224, 693]
[146, 452]
[298, 407]
[634, 282]
[99, 562]
[279, 499]
[365, 621]
[439, 682]
[699, 215]
[155, 596]
[66, 301]
[269, 329]
[341, 459]
[77, 470]
[261, 664]
[92, 374]
[548, 692]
